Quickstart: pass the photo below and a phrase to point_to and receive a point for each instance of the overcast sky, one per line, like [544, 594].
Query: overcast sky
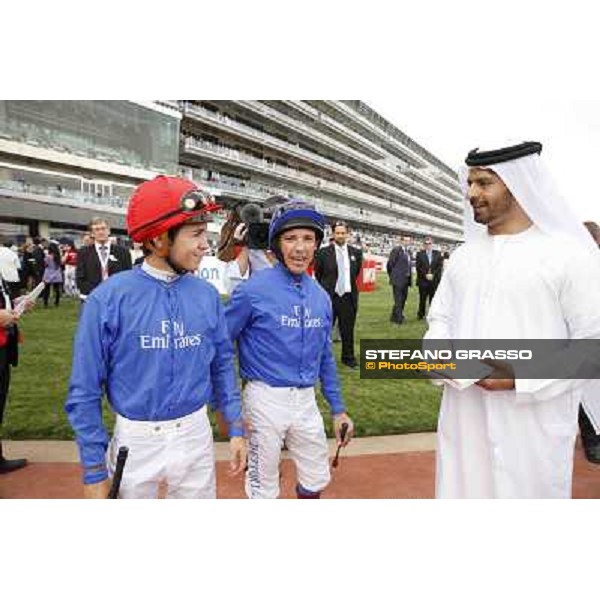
[569, 129]
[452, 75]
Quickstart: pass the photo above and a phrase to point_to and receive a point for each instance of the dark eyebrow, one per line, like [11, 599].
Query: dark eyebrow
[480, 177]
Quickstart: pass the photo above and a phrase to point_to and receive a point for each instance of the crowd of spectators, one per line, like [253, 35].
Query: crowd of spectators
[39, 259]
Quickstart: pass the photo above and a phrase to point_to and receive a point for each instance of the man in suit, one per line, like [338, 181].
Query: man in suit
[99, 260]
[399, 271]
[429, 272]
[336, 269]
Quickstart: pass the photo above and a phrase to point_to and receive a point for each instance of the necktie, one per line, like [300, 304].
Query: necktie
[103, 257]
[341, 264]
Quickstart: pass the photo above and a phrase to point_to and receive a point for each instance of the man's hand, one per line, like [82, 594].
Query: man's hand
[97, 491]
[237, 449]
[338, 420]
[502, 378]
[226, 245]
[240, 233]
[495, 385]
[8, 317]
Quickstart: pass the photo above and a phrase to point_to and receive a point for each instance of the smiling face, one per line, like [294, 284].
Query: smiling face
[493, 204]
[189, 246]
[298, 248]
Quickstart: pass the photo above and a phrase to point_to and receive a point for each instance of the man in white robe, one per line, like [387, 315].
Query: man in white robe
[525, 272]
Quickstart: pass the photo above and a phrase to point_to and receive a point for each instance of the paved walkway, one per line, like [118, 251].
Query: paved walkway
[400, 466]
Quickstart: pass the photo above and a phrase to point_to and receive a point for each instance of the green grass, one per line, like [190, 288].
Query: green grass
[378, 407]
[383, 407]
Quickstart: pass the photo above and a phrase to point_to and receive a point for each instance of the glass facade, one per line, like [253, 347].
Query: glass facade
[115, 131]
[96, 194]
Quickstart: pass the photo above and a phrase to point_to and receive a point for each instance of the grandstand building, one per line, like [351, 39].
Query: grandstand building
[62, 162]
[350, 161]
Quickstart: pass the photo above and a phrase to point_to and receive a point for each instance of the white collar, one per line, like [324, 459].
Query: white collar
[158, 274]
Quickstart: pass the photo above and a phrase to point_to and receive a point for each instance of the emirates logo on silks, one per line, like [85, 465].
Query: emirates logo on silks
[172, 335]
[295, 320]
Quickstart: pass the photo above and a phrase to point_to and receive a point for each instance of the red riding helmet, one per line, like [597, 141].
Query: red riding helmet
[163, 203]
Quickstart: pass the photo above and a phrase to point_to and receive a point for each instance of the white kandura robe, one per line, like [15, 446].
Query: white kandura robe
[517, 443]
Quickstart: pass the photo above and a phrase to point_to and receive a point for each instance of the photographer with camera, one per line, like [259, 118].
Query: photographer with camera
[244, 242]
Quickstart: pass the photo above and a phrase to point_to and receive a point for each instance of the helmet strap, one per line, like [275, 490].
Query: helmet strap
[163, 251]
[276, 250]
[179, 270]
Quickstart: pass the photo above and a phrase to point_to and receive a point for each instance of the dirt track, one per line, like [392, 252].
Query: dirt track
[399, 475]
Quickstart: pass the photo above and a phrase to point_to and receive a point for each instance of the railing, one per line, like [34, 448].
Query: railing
[373, 163]
[321, 185]
[80, 199]
[331, 208]
[432, 197]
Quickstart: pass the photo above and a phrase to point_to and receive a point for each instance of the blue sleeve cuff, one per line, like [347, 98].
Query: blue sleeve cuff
[337, 408]
[338, 411]
[95, 474]
[236, 430]
[334, 398]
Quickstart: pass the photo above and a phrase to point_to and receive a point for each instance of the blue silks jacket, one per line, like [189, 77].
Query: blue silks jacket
[159, 350]
[282, 323]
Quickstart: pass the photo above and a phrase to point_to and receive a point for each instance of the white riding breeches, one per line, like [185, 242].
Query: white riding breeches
[278, 415]
[179, 453]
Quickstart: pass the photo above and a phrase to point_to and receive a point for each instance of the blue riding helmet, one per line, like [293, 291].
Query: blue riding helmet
[292, 215]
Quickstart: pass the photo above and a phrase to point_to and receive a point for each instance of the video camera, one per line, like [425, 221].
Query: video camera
[257, 236]
[254, 217]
